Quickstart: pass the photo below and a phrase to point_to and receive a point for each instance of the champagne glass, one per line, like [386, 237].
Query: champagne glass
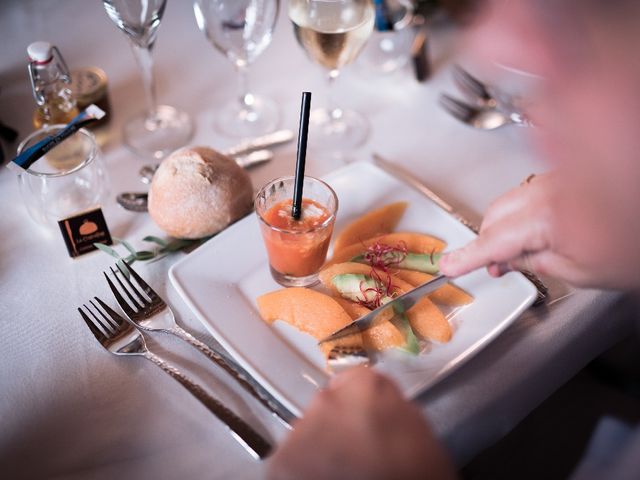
[161, 129]
[333, 32]
[241, 30]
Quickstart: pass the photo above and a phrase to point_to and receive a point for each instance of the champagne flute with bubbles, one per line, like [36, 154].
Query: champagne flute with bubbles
[161, 129]
[333, 32]
[241, 30]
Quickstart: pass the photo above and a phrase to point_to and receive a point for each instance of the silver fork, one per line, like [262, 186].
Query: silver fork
[484, 118]
[120, 338]
[151, 313]
[473, 88]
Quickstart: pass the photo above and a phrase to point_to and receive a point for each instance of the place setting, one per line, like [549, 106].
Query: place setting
[225, 230]
[380, 253]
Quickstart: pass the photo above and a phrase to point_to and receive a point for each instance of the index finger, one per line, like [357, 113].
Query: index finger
[504, 241]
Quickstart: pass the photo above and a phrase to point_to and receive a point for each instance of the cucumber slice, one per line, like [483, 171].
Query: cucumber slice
[421, 262]
[411, 345]
[354, 287]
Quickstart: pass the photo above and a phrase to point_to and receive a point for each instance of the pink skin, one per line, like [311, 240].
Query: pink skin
[580, 223]
[360, 427]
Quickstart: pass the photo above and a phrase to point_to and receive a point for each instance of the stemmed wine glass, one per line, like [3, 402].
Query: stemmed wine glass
[161, 129]
[333, 32]
[241, 30]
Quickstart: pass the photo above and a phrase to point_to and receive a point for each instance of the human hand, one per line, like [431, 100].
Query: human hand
[360, 427]
[522, 230]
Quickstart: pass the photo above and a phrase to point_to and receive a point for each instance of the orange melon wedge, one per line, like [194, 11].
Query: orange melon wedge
[309, 311]
[449, 294]
[415, 242]
[381, 336]
[377, 222]
[425, 317]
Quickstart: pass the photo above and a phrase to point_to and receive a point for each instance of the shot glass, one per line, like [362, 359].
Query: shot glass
[296, 248]
[68, 179]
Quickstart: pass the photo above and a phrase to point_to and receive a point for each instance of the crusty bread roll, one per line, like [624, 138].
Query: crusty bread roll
[197, 192]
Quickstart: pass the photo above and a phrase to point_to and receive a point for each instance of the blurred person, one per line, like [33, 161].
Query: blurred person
[579, 222]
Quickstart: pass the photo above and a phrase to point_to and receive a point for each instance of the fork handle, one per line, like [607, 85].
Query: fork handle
[239, 374]
[242, 431]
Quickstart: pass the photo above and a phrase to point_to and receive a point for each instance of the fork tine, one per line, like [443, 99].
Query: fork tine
[100, 336]
[106, 326]
[144, 285]
[468, 82]
[458, 109]
[114, 319]
[119, 298]
[127, 291]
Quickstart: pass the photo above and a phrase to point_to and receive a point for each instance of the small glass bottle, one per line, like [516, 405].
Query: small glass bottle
[50, 81]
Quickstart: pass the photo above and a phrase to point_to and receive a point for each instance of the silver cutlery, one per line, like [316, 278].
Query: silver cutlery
[147, 310]
[398, 305]
[247, 154]
[133, 201]
[481, 117]
[252, 159]
[397, 171]
[474, 89]
[119, 337]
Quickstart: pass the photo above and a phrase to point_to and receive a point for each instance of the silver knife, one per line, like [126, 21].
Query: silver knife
[269, 140]
[405, 176]
[398, 304]
[246, 154]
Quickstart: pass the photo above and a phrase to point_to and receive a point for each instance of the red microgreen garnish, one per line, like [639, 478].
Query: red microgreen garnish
[382, 256]
[366, 290]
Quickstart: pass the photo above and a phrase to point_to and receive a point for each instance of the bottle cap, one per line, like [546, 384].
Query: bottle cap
[39, 52]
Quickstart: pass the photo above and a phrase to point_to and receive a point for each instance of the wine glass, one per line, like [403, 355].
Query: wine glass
[333, 32]
[161, 129]
[241, 30]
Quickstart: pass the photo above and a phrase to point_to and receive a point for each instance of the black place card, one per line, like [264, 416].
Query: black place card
[82, 230]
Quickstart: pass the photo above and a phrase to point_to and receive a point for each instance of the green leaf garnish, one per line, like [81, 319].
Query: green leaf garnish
[163, 248]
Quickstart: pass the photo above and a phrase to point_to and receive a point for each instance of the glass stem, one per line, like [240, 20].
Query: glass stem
[143, 57]
[335, 112]
[245, 97]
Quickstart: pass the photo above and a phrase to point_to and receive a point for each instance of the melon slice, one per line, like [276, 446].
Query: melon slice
[309, 311]
[448, 294]
[415, 242]
[377, 222]
[381, 336]
[425, 317]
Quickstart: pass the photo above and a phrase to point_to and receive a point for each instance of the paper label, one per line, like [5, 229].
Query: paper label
[82, 230]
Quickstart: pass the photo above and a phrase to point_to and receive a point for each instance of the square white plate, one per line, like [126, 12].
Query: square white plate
[221, 280]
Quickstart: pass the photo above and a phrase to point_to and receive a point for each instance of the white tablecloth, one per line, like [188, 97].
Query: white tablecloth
[70, 410]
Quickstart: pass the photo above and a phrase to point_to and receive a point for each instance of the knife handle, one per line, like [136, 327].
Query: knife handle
[251, 440]
[240, 375]
[270, 140]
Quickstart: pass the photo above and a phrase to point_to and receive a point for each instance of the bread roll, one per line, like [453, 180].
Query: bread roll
[197, 192]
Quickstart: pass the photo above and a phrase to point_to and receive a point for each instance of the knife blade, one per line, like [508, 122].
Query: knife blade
[398, 304]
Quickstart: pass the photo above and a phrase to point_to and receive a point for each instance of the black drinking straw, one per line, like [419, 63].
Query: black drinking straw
[303, 133]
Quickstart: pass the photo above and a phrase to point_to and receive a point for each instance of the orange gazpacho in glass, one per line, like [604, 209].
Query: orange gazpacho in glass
[296, 248]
